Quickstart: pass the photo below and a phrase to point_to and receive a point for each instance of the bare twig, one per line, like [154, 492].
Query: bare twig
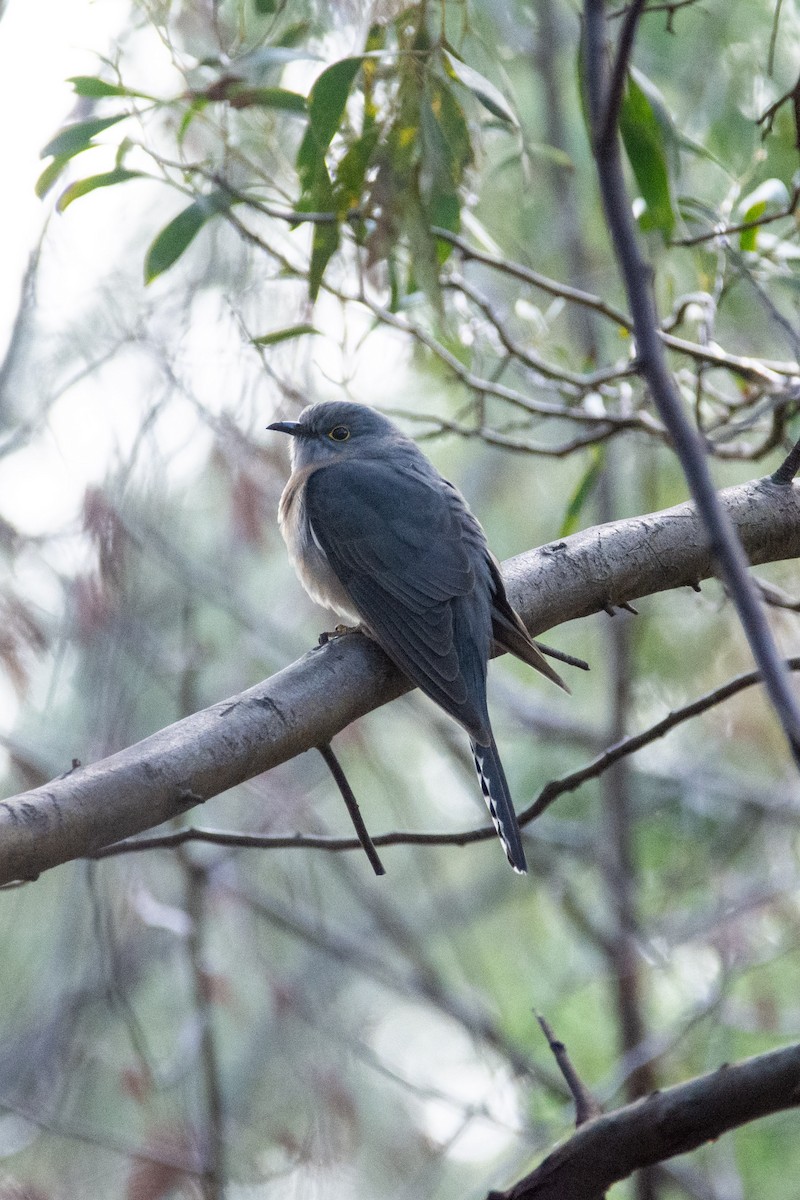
[586, 1106]
[550, 792]
[724, 231]
[629, 745]
[335, 768]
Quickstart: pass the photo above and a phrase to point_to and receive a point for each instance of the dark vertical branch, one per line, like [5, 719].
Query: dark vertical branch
[637, 276]
[196, 884]
[213, 1143]
[619, 864]
[619, 858]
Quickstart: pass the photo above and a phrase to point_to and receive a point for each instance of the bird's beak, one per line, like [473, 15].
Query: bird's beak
[290, 427]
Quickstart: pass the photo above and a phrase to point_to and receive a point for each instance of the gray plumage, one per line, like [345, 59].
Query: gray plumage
[377, 534]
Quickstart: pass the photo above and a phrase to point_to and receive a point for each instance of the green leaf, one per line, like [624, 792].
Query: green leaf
[174, 238]
[242, 96]
[352, 170]
[326, 105]
[50, 174]
[283, 335]
[74, 138]
[83, 186]
[325, 240]
[582, 492]
[95, 88]
[328, 97]
[770, 196]
[644, 145]
[748, 238]
[489, 96]
[447, 151]
[265, 8]
[293, 34]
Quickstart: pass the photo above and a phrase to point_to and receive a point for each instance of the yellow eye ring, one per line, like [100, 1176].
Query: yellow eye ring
[339, 433]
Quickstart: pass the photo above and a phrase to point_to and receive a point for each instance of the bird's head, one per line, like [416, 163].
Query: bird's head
[337, 429]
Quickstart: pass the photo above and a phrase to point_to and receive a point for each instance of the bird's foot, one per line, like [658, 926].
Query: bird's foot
[339, 631]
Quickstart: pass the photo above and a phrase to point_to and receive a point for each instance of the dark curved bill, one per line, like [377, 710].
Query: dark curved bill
[290, 427]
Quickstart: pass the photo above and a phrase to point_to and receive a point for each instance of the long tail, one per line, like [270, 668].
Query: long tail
[498, 801]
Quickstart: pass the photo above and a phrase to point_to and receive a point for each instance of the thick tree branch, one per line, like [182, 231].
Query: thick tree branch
[664, 1124]
[313, 699]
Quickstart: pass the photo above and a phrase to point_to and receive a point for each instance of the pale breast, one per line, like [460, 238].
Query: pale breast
[305, 553]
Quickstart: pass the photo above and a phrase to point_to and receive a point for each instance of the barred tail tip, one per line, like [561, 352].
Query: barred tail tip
[498, 801]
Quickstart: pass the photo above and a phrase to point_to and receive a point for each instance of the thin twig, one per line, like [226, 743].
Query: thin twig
[724, 231]
[550, 792]
[629, 745]
[586, 1106]
[335, 768]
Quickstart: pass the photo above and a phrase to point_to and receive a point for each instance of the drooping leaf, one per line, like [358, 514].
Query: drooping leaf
[50, 174]
[283, 335]
[72, 139]
[174, 238]
[328, 97]
[482, 89]
[670, 134]
[94, 88]
[325, 239]
[351, 171]
[295, 33]
[645, 147]
[447, 151]
[83, 186]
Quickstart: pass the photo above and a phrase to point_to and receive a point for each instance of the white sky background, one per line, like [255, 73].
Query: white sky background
[42, 43]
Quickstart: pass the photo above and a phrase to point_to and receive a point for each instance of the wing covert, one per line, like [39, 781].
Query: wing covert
[403, 546]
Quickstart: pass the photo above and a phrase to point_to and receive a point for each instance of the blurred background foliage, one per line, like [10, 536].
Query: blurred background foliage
[242, 1023]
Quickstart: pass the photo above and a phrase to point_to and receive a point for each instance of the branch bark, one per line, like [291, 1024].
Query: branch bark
[667, 1123]
[310, 701]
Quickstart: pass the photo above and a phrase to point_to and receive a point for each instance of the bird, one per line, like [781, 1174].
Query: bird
[375, 533]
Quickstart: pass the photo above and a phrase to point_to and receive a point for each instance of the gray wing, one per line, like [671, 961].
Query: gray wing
[415, 563]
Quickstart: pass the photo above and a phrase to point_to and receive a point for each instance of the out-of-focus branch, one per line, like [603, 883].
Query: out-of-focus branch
[309, 702]
[667, 1123]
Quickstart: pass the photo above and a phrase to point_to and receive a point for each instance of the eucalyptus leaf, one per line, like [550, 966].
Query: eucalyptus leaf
[94, 88]
[83, 186]
[174, 238]
[283, 335]
[50, 174]
[644, 143]
[482, 89]
[72, 139]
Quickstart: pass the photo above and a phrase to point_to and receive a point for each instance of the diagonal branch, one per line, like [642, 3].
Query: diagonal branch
[667, 1123]
[310, 701]
[637, 275]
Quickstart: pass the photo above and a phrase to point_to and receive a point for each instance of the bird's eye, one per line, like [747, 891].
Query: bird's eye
[339, 433]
